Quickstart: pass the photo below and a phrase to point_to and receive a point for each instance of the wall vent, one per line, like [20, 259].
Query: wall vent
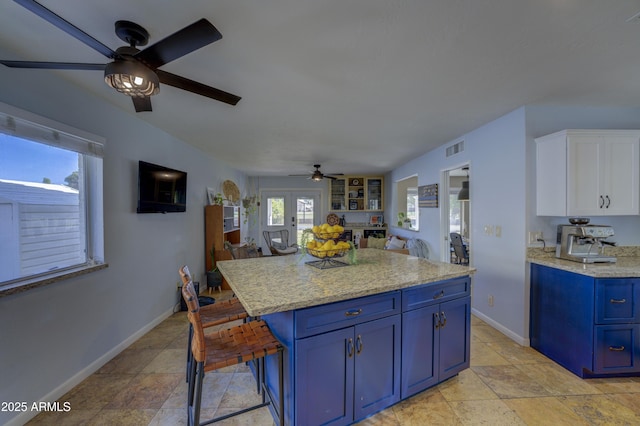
[455, 148]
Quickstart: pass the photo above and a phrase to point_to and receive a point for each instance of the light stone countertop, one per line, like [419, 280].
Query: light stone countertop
[282, 283]
[625, 267]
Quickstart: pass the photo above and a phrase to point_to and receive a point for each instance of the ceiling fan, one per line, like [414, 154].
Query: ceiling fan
[317, 175]
[135, 72]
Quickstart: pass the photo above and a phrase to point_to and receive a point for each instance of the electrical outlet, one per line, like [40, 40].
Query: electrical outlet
[498, 231]
[490, 300]
[488, 229]
[534, 236]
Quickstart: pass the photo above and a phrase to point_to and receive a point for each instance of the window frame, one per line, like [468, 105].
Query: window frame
[32, 127]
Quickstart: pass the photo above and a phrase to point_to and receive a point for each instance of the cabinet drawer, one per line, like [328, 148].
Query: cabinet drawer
[617, 301]
[320, 319]
[617, 348]
[429, 294]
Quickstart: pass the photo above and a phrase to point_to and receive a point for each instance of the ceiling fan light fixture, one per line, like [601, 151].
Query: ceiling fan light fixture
[316, 177]
[131, 78]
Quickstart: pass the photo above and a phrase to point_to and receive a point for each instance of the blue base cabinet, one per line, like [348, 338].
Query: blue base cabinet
[348, 374]
[590, 326]
[347, 360]
[436, 336]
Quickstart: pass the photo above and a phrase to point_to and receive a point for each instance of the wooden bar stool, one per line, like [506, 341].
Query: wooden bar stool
[211, 315]
[250, 341]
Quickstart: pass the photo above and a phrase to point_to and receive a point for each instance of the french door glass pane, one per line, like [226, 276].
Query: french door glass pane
[275, 211]
[304, 216]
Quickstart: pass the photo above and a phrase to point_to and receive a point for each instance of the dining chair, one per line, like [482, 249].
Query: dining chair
[459, 248]
[242, 252]
[248, 342]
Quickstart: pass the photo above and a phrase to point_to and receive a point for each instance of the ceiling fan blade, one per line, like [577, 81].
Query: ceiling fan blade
[305, 175]
[53, 65]
[141, 104]
[188, 39]
[329, 177]
[66, 26]
[197, 88]
[335, 174]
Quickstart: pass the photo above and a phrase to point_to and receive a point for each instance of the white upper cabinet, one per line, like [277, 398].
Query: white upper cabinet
[588, 173]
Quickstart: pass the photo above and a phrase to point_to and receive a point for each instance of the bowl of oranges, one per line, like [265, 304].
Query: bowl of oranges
[327, 249]
[326, 231]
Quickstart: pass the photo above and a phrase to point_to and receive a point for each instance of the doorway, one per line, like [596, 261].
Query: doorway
[292, 210]
[456, 212]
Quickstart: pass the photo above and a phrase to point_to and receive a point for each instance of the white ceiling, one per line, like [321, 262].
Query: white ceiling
[359, 86]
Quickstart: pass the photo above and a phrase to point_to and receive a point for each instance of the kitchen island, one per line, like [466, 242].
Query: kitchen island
[586, 317]
[357, 338]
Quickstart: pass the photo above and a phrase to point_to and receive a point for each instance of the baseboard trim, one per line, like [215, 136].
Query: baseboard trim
[502, 329]
[65, 387]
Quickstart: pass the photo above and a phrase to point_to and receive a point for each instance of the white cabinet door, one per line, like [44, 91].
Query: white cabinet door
[584, 175]
[621, 180]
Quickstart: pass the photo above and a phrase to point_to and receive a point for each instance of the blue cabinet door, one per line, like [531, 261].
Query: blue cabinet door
[617, 349]
[455, 335]
[377, 365]
[436, 344]
[617, 300]
[419, 350]
[324, 379]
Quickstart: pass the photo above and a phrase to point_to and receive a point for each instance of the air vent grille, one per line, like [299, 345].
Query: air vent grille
[455, 148]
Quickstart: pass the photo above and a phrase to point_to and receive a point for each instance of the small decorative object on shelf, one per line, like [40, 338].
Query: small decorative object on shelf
[231, 191]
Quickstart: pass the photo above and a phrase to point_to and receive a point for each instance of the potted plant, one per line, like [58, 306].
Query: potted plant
[401, 219]
[214, 277]
[250, 206]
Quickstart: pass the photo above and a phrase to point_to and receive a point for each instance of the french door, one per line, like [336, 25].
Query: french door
[292, 210]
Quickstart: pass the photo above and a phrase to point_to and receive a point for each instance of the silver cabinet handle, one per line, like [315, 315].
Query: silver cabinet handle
[436, 320]
[601, 201]
[439, 295]
[350, 347]
[353, 313]
[618, 301]
[444, 319]
[359, 344]
[616, 348]
[608, 201]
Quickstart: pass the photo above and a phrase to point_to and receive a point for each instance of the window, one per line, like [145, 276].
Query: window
[50, 198]
[407, 208]
[412, 206]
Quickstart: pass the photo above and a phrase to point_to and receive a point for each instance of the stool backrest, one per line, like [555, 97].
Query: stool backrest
[185, 275]
[193, 313]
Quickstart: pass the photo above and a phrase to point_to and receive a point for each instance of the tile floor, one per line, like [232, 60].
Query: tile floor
[506, 385]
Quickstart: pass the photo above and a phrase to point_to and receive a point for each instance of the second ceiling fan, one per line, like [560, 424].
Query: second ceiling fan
[317, 175]
[135, 72]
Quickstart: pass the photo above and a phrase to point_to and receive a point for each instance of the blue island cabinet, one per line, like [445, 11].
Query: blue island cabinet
[436, 333]
[590, 326]
[347, 360]
[342, 360]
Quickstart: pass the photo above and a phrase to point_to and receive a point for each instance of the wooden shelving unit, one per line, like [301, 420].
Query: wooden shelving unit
[221, 224]
[357, 194]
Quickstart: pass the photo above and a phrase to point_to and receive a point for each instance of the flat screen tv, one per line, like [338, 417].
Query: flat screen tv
[161, 189]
